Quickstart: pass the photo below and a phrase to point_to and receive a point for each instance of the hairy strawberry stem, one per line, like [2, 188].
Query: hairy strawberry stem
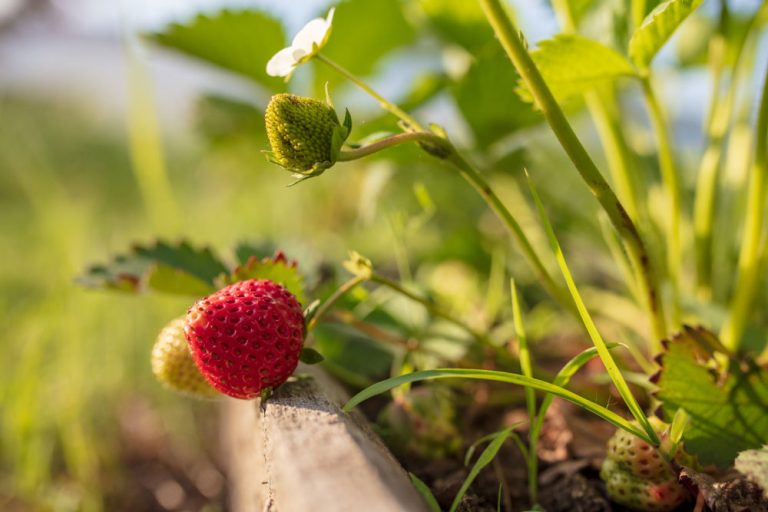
[516, 50]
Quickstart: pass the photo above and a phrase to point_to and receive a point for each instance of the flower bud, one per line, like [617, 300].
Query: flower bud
[305, 134]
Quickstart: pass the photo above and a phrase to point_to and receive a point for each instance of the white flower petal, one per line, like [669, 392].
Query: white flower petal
[311, 35]
[282, 63]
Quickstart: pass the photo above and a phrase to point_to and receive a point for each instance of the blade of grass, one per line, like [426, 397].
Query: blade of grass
[511, 378]
[423, 489]
[561, 379]
[530, 396]
[589, 324]
[485, 458]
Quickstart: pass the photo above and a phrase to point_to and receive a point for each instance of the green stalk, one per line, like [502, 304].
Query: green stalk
[345, 288]
[524, 354]
[385, 103]
[671, 180]
[388, 142]
[516, 50]
[751, 247]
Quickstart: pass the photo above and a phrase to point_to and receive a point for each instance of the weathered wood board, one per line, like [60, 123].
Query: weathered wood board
[302, 453]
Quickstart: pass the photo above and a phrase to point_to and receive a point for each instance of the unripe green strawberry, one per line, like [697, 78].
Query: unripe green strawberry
[421, 423]
[301, 132]
[173, 365]
[637, 477]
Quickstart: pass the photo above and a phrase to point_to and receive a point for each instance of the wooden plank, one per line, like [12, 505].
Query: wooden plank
[302, 453]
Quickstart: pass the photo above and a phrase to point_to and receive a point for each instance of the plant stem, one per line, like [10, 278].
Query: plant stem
[385, 103]
[340, 292]
[751, 247]
[516, 50]
[671, 180]
[388, 142]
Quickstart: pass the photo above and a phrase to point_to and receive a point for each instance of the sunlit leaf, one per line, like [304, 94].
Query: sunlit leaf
[728, 413]
[572, 65]
[239, 41]
[657, 28]
[170, 268]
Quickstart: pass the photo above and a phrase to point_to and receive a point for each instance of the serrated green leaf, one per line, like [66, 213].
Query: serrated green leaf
[170, 268]
[239, 41]
[754, 464]
[363, 33]
[728, 414]
[165, 279]
[310, 356]
[572, 65]
[657, 28]
[277, 269]
[486, 98]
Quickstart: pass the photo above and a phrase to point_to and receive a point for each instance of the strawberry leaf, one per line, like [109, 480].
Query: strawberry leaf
[164, 267]
[572, 65]
[239, 41]
[657, 28]
[728, 410]
[276, 268]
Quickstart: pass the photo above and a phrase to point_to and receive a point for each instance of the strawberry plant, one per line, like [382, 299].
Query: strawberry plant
[677, 320]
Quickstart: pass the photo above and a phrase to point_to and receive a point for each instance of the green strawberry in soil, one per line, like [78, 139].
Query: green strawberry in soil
[173, 365]
[637, 477]
[247, 337]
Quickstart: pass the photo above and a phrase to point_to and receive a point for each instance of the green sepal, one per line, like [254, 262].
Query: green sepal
[310, 356]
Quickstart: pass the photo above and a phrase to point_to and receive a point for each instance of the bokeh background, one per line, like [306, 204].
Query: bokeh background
[108, 139]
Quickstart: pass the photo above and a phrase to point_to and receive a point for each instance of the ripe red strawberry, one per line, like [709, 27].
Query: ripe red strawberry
[637, 477]
[173, 366]
[246, 337]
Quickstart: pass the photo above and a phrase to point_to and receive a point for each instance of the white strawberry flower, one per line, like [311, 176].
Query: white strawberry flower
[304, 46]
